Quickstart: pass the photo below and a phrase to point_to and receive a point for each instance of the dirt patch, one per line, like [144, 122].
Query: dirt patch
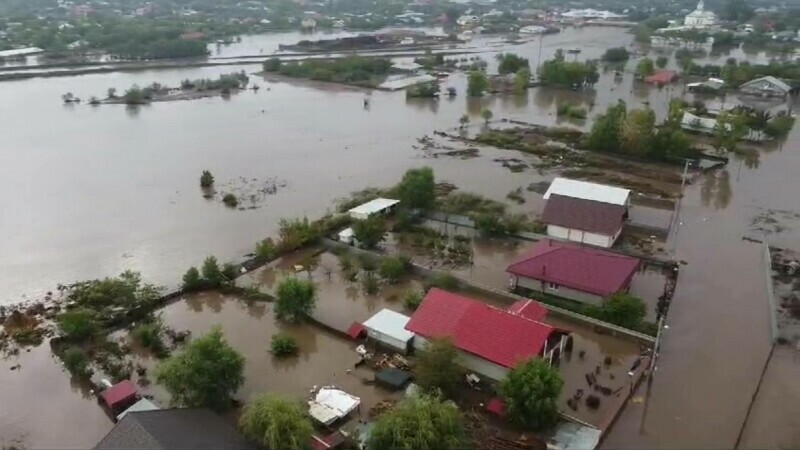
[251, 193]
[770, 221]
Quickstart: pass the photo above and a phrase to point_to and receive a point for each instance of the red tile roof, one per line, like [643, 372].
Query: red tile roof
[576, 267]
[477, 328]
[119, 394]
[529, 309]
[662, 77]
[581, 214]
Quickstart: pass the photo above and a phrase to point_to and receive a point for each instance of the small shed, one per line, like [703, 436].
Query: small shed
[119, 396]
[389, 328]
[347, 236]
[356, 331]
[662, 77]
[332, 441]
[331, 404]
[373, 207]
[393, 379]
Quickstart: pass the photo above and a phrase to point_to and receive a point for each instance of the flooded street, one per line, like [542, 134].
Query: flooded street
[93, 191]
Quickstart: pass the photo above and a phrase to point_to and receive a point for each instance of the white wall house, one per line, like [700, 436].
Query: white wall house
[700, 18]
[583, 237]
[377, 206]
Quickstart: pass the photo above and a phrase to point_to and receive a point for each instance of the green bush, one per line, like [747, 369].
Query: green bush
[369, 282]
[283, 345]
[76, 361]
[444, 281]
[266, 250]
[78, 324]
[206, 179]
[392, 269]
[412, 299]
[148, 335]
[230, 200]
[192, 280]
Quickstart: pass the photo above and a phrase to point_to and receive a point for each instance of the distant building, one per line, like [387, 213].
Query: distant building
[662, 77]
[700, 18]
[768, 86]
[572, 271]
[590, 14]
[588, 213]
[308, 23]
[467, 21]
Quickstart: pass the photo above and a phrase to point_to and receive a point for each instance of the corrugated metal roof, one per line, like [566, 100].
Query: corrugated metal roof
[20, 52]
[588, 191]
[576, 267]
[480, 329]
[373, 206]
[390, 323]
[586, 215]
[142, 405]
[778, 83]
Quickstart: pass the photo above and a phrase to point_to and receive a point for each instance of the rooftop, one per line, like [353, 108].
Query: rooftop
[662, 77]
[576, 267]
[529, 309]
[373, 206]
[586, 215]
[588, 191]
[119, 393]
[173, 428]
[390, 323]
[20, 52]
[477, 328]
[776, 82]
[331, 404]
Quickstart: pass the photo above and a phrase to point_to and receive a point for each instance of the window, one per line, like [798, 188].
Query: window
[552, 286]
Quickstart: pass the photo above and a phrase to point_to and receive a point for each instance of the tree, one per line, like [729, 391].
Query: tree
[417, 189]
[530, 392]
[637, 131]
[463, 121]
[511, 63]
[606, 133]
[477, 83]
[616, 54]
[728, 131]
[212, 274]
[192, 280]
[645, 67]
[521, 80]
[276, 423]
[419, 422]
[230, 200]
[76, 361]
[112, 92]
[206, 179]
[437, 368]
[135, 96]
[737, 11]
[392, 269]
[661, 62]
[78, 324]
[207, 373]
[623, 309]
[487, 115]
[412, 299]
[296, 299]
[369, 232]
[265, 250]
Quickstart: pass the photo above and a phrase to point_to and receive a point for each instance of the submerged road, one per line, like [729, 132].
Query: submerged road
[719, 334]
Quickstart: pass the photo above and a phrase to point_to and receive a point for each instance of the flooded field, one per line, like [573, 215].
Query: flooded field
[69, 220]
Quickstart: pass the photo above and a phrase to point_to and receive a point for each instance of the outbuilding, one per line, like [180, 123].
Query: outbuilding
[378, 206]
[120, 396]
[388, 328]
[768, 86]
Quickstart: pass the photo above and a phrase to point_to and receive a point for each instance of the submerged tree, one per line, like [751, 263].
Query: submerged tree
[296, 299]
[487, 115]
[437, 369]
[207, 373]
[624, 310]
[477, 83]
[369, 232]
[276, 423]
[417, 189]
[206, 179]
[419, 422]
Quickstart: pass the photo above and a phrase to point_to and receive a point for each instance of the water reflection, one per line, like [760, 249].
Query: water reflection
[424, 104]
[716, 189]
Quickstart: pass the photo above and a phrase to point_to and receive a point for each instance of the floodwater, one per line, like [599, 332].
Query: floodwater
[43, 408]
[94, 191]
[323, 359]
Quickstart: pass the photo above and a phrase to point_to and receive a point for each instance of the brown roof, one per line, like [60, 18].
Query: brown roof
[581, 214]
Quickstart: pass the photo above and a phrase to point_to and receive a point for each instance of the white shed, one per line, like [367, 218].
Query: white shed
[347, 236]
[389, 328]
[372, 207]
[588, 191]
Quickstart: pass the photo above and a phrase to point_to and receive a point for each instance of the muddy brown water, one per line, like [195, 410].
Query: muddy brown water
[99, 190]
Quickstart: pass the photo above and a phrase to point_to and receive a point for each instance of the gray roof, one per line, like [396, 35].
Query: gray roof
[778, 83]
[174, 429]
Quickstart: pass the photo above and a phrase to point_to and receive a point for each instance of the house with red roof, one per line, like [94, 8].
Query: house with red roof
[572, 271]
[491, 340]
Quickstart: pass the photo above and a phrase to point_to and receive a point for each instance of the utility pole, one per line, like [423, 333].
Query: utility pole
[675, 221]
